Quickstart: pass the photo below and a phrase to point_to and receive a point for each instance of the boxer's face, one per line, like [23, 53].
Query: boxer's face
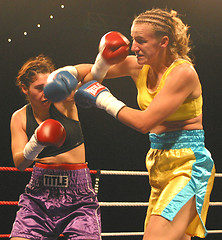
[146, 46]
[35, 93]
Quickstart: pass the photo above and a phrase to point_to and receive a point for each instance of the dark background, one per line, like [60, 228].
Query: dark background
[72, 37]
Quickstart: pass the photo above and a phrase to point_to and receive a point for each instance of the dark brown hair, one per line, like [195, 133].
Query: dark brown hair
[27, 73]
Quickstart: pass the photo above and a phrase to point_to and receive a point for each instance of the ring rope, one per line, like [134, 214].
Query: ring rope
[141, 204]
[133, 173]
[116, 234]
[14, 169]
[102, 172]
[119, 234]
[115, 204]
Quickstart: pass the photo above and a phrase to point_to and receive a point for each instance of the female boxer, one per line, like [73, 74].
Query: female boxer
[59, 199]
[181, 170]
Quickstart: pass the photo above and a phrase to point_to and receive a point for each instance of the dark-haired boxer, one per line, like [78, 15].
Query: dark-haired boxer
[59, 199]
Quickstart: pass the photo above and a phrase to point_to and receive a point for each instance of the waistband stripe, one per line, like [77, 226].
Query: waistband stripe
[74, 166]
[177, 139]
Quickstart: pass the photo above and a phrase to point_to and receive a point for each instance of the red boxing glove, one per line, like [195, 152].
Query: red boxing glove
[113, 49]
[51, 133]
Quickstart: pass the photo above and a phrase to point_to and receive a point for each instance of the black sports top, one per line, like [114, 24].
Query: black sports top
[74, 136]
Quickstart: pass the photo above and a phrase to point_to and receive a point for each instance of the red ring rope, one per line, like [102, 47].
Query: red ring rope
[14, 169]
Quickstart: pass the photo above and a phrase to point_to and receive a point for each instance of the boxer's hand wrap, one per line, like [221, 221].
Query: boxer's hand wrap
[109, 103]
[49, 133]
[95, 94]
[113, 49]
[32, 148]
[61, 83]
[100, 67]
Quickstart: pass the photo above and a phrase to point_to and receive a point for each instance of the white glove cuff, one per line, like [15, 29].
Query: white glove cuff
[99, 68]
[108, 102]
[70, 69]
[32, 148]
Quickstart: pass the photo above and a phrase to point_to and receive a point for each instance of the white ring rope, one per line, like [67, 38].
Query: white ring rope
[134, 173]
[214, 231]
[116, 234]
[123, 204]
[218, 174]
[128, 173]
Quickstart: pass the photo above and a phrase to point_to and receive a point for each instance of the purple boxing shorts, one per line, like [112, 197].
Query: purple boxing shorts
[59, 199]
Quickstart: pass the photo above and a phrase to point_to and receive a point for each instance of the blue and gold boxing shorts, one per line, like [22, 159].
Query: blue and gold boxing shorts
[180, 167]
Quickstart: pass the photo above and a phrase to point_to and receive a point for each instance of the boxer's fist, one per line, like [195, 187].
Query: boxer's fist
[95, 94]
[51, 133]
[60, 84]
[113, 49]
[87, 94]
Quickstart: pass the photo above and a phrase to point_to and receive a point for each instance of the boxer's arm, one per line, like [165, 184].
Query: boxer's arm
[83, 70]
[129, 67]
[24, 152]
[19, 140]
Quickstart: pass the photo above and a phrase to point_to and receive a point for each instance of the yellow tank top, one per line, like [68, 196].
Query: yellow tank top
[189, 109]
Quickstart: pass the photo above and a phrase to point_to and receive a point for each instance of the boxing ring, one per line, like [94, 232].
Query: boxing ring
[97, 181]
